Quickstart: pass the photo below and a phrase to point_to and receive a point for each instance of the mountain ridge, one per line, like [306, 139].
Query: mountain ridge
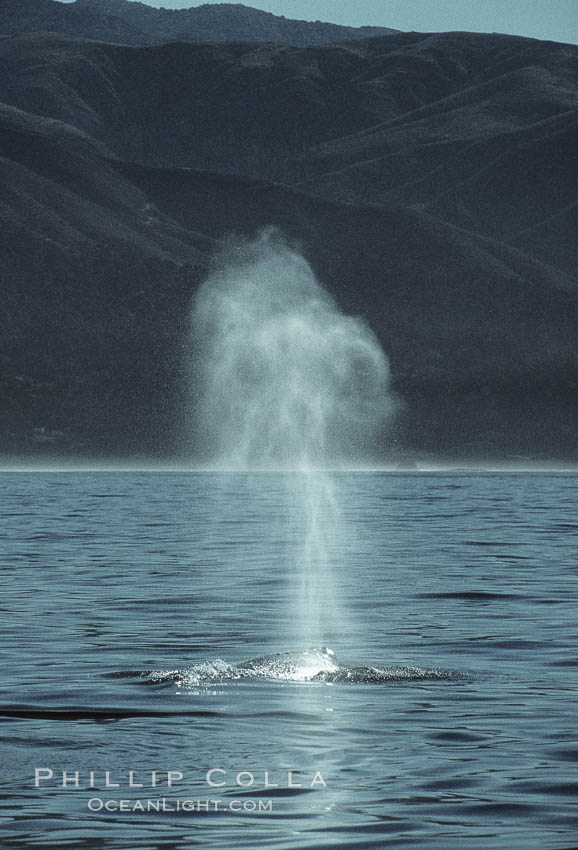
[123, 167]
[305, 117]
[130, 22]
[108, 373]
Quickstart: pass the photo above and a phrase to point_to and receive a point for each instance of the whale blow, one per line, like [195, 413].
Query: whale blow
[284, 380]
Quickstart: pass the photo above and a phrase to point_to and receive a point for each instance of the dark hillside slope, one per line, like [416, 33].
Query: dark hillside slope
[482, 340]
[527, 195]
[479, 130]
[120, 168]
[101, 258]
[94, 292]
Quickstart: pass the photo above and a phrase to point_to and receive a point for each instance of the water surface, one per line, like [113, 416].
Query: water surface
[134, 604]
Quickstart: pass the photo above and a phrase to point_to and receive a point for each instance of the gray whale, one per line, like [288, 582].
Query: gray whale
[309, 665]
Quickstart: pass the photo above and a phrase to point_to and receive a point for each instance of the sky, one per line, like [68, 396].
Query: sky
[555, 20]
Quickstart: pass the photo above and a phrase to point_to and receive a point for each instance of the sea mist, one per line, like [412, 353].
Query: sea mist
[285, 382]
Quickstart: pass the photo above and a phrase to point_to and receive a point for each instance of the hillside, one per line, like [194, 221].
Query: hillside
[480, 131]
[129, 22]
[438, 203]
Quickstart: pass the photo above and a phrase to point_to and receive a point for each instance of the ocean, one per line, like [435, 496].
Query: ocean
[157, 692]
